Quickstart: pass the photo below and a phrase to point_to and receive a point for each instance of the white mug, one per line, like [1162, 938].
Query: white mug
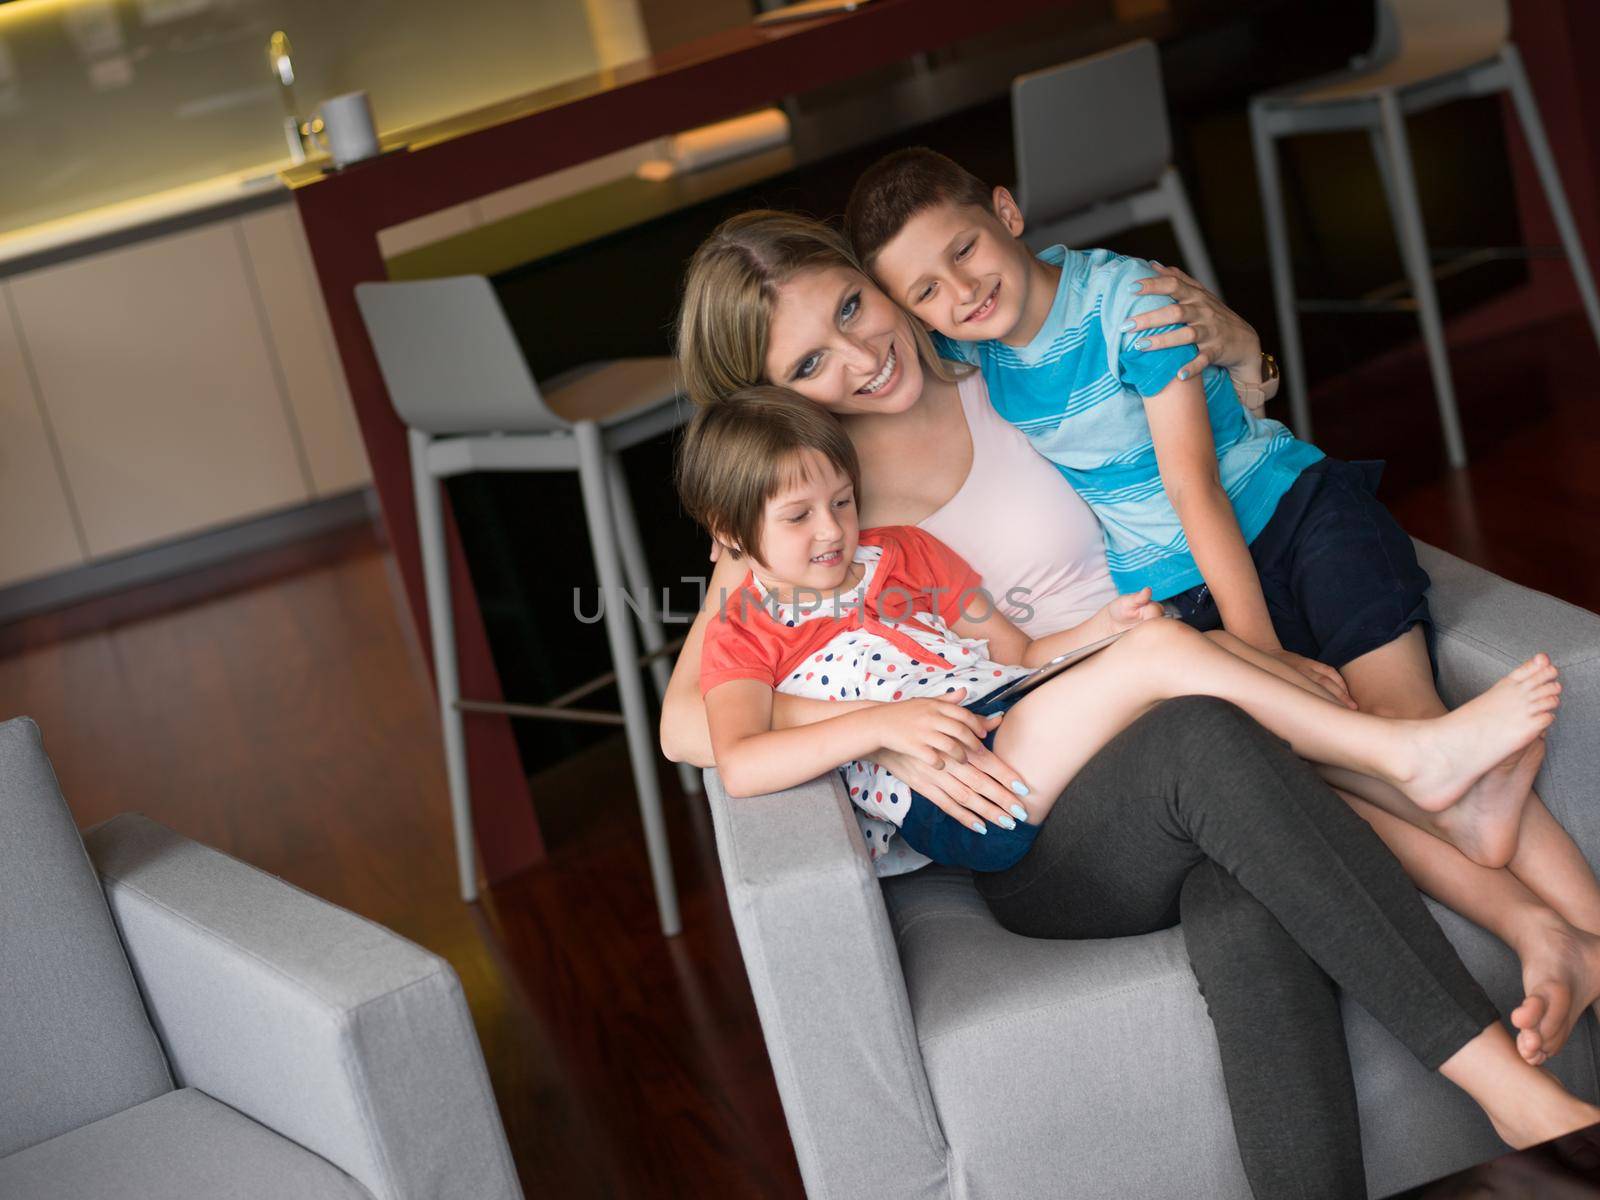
[348, 129]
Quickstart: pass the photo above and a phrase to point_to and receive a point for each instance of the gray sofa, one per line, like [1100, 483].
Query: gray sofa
[186, 1027]
[923, 1051]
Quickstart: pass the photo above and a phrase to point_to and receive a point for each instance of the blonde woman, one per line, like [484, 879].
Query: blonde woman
[1193, 814]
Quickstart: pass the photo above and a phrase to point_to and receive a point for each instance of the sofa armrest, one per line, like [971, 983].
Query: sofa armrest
[318, 1024]
[830, 992]
[1486, 625]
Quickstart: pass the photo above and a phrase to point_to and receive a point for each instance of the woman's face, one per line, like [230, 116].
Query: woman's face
[839, 341]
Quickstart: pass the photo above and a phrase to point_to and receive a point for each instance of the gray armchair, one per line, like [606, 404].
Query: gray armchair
[186, 1026]
[923, 1051]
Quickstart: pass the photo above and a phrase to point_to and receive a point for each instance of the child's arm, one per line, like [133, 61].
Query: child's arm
[1187, 458]
[754, 758]
[1186, 455]
[1008, 644]
[685, 736]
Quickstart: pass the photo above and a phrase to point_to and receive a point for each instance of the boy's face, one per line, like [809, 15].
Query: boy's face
[960, 269]
[809, 530]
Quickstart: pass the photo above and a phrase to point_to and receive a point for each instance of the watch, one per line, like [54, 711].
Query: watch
[1254, 396]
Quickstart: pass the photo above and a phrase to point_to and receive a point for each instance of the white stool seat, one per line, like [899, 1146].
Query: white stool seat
[1416, 69]
[608, 393]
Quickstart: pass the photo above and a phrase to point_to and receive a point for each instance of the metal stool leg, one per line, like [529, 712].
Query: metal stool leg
[625, 661]
[1555, 195]
[1380, 154]
[1294, 365]
[1187, 229]
[648, 615]
[1414, 251]
[441, 625]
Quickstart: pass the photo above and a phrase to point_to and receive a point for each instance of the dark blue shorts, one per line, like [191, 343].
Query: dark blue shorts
[928, 830]
[1340, 576]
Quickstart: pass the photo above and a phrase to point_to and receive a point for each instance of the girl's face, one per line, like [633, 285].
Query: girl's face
[809, 531]
[839, 341]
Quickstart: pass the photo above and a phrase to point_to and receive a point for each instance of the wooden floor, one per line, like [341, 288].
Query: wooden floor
[278, 709]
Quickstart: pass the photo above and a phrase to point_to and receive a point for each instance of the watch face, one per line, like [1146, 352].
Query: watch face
[1269, 367]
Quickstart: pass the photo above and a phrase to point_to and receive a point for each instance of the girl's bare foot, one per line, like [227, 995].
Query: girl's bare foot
[1561, 978]
[1441, 760]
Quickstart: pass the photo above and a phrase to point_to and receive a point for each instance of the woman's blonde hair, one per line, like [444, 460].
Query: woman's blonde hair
[732, 289]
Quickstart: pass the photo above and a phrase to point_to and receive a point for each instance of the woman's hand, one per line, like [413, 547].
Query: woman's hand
[1218, 334]
[976, 790]
[1125, 612]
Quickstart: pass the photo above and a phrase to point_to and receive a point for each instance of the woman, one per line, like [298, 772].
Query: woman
[1194, 813]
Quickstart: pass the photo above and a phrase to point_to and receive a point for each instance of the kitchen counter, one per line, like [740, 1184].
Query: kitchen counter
[99, 229]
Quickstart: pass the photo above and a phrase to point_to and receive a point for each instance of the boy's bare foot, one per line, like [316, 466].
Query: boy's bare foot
[1442, 759]
[1475, 824]
[1561, 979]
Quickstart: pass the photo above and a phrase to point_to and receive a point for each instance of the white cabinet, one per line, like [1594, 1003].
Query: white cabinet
[154, 368]
[36, 533]
[297, 328]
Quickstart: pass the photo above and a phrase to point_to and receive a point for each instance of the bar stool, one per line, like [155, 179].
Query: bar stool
[459, 381]
[1080, 181]
[1425, 53]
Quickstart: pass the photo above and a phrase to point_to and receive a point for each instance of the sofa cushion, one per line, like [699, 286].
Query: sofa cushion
[180, 1146]
[1050, 1060]
[75, 1042]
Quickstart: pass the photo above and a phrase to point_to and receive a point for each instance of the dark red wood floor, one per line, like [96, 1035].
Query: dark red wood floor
[277, 710]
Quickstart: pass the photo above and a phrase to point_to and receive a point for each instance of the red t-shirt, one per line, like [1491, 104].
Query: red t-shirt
[916, 574]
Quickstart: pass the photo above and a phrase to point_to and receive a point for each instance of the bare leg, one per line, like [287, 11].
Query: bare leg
[1560, 962]
[1480, 826]
[1397, 680]
[1432, 762]
[1559, 951]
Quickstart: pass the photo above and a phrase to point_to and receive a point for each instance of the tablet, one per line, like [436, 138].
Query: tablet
[1019, 688]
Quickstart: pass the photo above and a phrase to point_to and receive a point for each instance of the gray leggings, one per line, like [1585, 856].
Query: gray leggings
[1196, 813]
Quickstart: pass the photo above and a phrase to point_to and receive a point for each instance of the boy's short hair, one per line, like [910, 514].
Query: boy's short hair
[899, 186]
[740, 452]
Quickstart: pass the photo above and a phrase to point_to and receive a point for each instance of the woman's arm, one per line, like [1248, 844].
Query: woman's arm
[685, 736]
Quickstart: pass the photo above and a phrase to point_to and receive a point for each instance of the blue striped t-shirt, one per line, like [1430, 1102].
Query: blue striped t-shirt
[1077, 390]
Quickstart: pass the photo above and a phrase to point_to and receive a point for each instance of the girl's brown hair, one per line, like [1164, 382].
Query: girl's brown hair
[732, 288]
[743, 450]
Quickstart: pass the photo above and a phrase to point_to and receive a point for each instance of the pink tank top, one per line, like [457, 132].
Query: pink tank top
[1022, 527]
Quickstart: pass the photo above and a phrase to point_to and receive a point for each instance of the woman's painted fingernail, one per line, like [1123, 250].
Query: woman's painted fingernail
[1142, 344]
[1127, 325]
[1006, 823]
[1183, 374]
[1136, 287]
[1019, 787]
[979, 827]
[1019, 812]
